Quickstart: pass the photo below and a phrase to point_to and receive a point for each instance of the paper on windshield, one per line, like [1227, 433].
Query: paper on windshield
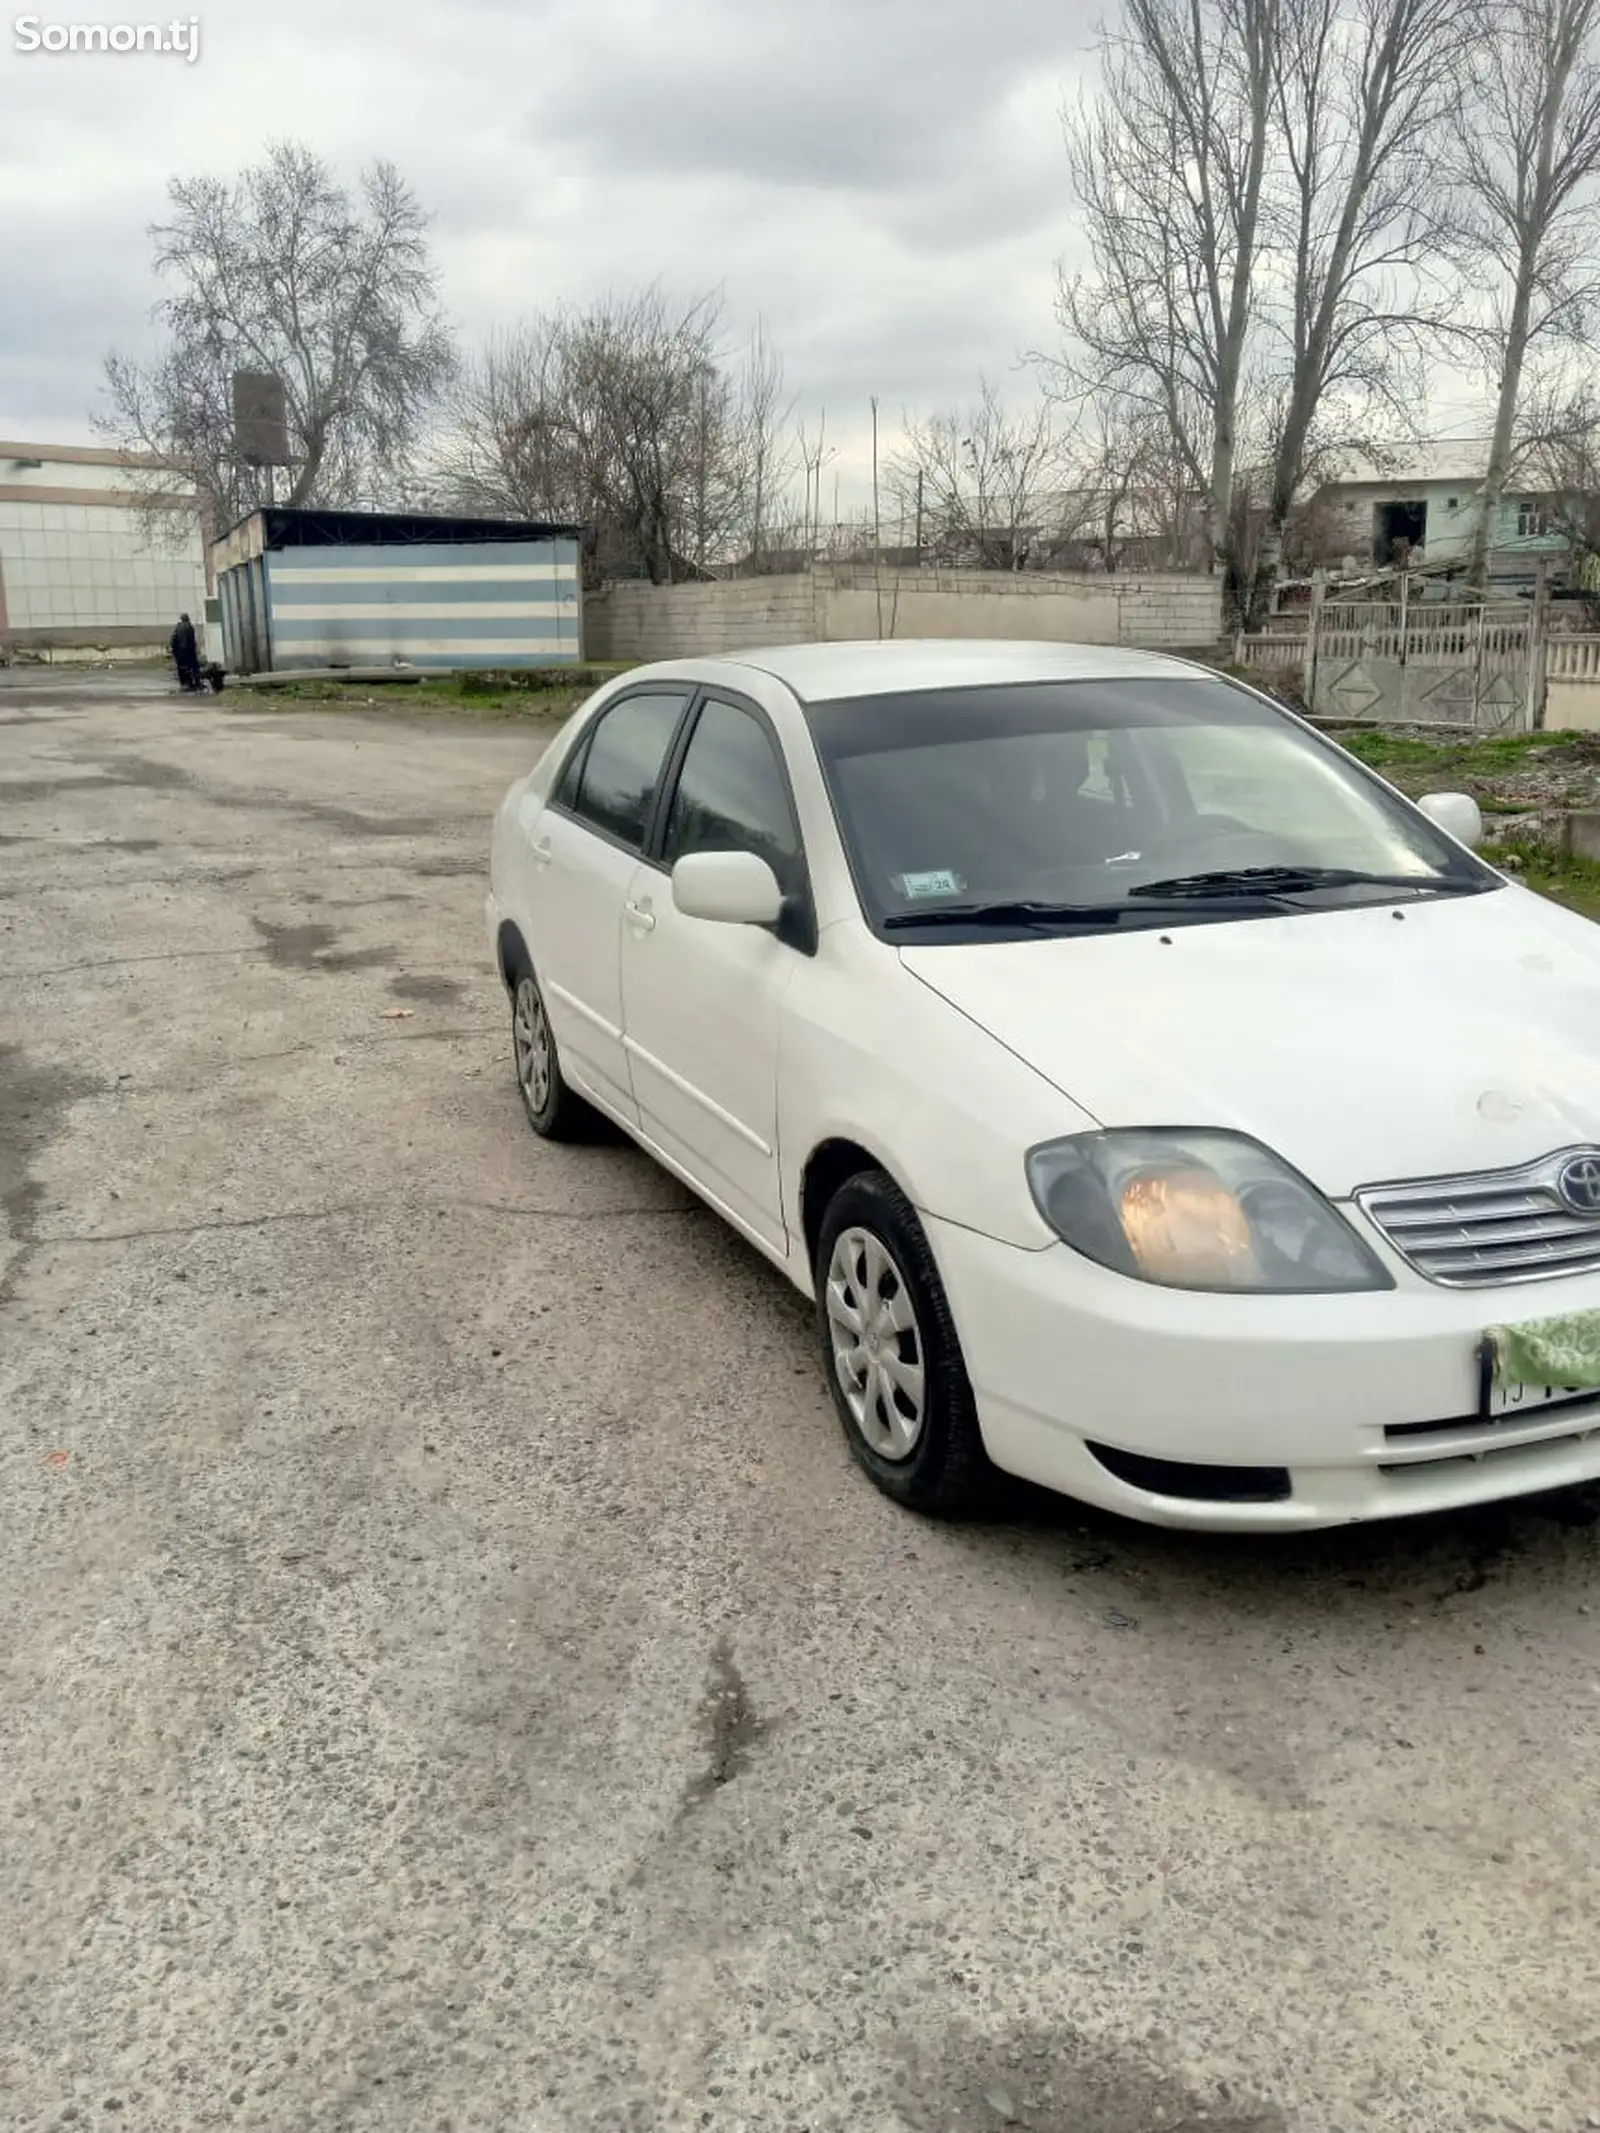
[936, 881]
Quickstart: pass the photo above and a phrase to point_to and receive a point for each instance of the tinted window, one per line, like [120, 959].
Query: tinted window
[566, 792]
[1088, 792]
[624, 761]
[731, 795]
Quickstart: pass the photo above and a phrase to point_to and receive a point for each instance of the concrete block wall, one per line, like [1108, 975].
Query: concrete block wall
[1162, 611]
[1572, 705]
[638, 621]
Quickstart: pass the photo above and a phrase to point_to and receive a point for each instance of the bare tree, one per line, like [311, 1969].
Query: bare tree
[764, 448]
[1128, 494]
[627, 419]
[976, 481]
[504, 453]
[1170, 158]
[1557, 458]
[1363, 92]
[283, 271]
[1529, 159]
[815, 452]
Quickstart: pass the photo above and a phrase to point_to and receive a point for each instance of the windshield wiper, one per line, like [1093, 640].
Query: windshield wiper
[1291, 880]
[1044, 917]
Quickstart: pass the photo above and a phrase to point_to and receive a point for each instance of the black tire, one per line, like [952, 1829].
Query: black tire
[554, 1112]
[944, 1469]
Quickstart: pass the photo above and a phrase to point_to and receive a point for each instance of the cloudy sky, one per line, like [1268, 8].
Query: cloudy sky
[883, 181]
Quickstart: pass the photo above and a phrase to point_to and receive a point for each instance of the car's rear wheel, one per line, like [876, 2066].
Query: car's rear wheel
[554, 1111]
[890, 1348]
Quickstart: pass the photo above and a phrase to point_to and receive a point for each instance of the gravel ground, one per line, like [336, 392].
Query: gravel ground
[455, 1679]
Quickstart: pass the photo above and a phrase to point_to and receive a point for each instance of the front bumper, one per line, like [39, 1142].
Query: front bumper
[1370, 1401]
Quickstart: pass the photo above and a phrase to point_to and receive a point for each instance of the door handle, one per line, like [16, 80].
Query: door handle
[540, 853]
[640, 917]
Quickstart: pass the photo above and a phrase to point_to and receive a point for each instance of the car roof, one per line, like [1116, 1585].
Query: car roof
[818, 673]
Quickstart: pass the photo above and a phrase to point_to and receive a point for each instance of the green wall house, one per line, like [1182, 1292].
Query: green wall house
[1422, 502]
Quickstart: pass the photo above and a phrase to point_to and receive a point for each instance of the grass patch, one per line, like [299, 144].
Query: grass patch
[532, 681]
[1573, 882]
[541, 693]
[1482, 756]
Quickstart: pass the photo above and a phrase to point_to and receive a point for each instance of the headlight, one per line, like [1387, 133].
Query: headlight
[1197, 1210]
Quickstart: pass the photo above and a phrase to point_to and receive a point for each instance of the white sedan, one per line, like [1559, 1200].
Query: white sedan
[1155, 1103]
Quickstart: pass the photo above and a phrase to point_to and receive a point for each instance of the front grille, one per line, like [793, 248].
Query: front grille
[1529, 1453]
[1494, 1227]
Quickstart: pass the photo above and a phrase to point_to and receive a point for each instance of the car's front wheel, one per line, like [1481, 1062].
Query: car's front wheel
[554, 1111]
[890, 1348]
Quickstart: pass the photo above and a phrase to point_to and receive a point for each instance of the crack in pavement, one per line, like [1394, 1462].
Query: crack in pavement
[117, 962]
[364, 1037]
[211, 872]
[356, 1207]
[357, 1040]
[185, 955]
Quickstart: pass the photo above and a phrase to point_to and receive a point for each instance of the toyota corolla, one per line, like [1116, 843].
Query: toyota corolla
[1155, 1103]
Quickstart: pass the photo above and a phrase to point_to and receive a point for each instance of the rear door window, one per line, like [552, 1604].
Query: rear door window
[622, 766]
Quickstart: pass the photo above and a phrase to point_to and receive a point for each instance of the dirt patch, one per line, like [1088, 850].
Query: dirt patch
[310, 947]
[144, 774]
[140, 773]
[358, 825]
[1059, 2082]
[33, 1102]
[447, 869]
[363, 903]
[729, 1727]
[20, 792]
[433, 991]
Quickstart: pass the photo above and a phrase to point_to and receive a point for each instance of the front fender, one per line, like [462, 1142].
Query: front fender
[871, 1055]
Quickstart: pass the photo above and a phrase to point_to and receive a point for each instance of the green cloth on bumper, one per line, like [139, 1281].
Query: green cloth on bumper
[1548, 1351]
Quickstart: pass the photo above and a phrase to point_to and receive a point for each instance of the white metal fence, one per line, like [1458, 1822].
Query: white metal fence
[1573, 659]
[1400, 661]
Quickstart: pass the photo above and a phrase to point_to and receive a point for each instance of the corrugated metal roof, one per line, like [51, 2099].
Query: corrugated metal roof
[283, 527]
[1459, 459]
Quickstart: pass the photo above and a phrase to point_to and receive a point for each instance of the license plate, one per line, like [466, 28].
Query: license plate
[1502, 1397]
[1518, 1400]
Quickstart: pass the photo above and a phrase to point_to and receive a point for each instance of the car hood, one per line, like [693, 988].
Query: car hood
[1361, 1044]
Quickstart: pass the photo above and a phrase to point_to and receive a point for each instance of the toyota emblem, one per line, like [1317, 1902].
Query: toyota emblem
[1579, 1184]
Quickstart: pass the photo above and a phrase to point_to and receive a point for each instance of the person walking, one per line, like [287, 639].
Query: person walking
[186, 654]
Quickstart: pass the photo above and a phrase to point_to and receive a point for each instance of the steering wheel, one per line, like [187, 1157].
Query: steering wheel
[1210, 843]
[1214, 842]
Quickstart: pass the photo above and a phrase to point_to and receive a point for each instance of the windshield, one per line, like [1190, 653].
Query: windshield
[1155, 800]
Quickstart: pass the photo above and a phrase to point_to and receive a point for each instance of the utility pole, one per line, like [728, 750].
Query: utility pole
[877, 521]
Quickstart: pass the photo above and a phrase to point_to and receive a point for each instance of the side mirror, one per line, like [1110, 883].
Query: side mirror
[734, 888]
[1456, 813]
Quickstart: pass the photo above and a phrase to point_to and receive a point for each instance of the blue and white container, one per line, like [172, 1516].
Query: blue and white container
[365, 589]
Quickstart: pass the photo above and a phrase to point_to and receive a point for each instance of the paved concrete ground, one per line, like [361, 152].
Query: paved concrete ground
[455, 1679]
